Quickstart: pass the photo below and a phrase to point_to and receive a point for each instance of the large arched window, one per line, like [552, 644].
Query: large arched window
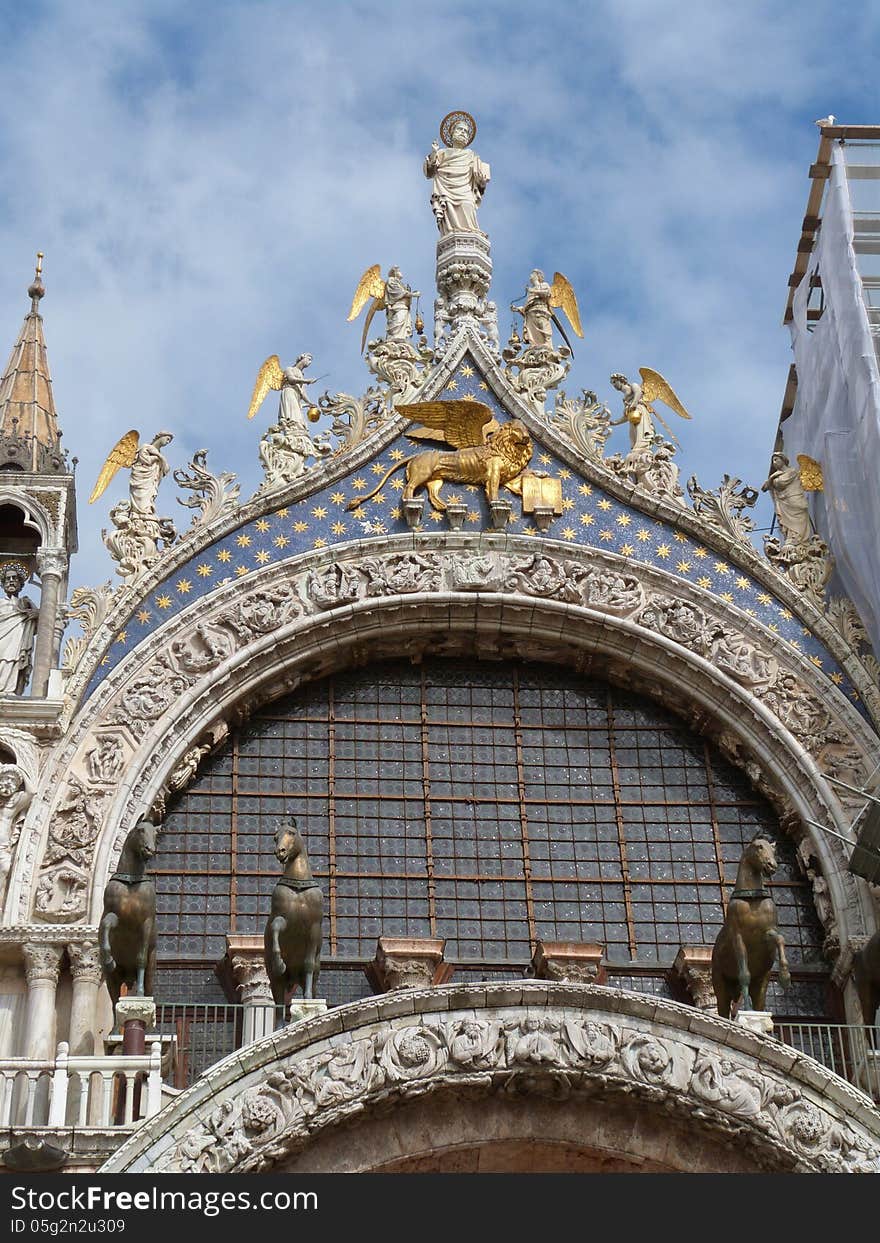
[489, 804]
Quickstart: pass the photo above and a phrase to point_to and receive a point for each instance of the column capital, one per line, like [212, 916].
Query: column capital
[42, 962]
[571, 962]
[85, 962]
[245, 957]
[407, 962]
[51, 561]
[693, 966]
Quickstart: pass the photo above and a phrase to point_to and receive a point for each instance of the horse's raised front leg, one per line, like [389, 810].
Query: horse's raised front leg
[276, 927]
[109, 920]
[778, 939]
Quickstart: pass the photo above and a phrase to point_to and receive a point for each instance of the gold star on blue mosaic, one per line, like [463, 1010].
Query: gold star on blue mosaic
[590, 519]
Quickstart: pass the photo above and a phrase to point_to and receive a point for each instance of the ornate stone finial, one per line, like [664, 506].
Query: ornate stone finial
[36, 290]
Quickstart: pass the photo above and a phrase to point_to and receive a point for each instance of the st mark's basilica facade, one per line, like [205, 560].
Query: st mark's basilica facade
[529, 696]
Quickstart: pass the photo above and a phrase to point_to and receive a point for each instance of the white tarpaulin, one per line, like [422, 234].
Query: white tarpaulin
[836, 416]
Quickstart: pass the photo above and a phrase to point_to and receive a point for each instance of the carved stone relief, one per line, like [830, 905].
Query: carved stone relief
[553, 1052]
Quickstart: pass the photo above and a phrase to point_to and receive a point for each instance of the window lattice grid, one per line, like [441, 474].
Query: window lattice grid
[487, 804]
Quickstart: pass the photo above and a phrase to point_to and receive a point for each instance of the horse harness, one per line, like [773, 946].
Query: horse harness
[297, 885]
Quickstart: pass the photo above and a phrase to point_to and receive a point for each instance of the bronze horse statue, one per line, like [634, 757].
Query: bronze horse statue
[866, 973]
[747, 945]
[127, 932]
[292, 944]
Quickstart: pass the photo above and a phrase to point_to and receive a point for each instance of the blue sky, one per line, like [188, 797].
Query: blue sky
[208, 182]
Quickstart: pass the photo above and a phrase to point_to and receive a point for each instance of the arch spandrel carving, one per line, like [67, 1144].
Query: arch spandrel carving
[490, 595]
[602, 512]
[586, 1048]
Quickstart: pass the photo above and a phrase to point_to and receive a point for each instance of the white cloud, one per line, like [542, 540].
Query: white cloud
[209, 184]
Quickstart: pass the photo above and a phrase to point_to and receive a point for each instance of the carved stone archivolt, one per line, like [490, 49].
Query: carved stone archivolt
[570, 1044]
[154, 708]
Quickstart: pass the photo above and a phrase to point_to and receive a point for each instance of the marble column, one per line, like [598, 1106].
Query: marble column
[85, 968]
[245, 956]
[42, 963]
[51, 564]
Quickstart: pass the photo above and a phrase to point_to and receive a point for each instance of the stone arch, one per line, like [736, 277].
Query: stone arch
[585, 1062]
[301, 620]
[34, 514]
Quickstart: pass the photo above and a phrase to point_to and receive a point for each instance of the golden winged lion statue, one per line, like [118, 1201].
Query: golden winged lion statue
[483, 451]
[638, 409]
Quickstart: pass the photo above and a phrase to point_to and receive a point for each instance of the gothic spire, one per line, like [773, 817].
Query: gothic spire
[29, 435]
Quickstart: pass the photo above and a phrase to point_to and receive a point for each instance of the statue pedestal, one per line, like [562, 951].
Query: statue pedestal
[302, 1008]
[758, 1021]
[133, 1015]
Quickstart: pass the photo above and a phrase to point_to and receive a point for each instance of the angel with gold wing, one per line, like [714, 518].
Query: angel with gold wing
[538, 309]
[292, 383]
[483, 452]
[148, 467]
[638, 409]
[393, 296]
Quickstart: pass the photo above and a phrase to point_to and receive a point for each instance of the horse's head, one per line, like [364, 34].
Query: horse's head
[761, 855]
[142, 840]
[288, 842]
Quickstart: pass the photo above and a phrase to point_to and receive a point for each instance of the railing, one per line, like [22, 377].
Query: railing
[850, 1051]
[93, 1091]
[25, 1086]
[205, 1033]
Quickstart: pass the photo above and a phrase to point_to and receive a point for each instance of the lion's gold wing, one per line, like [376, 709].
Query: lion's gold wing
[812, 479]
[269, 376]
[562, 294]
[370, 285]
[462, 424]
[655, 388]
[122, 454]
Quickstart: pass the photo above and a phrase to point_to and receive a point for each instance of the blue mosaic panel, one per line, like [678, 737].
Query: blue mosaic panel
[590, 518]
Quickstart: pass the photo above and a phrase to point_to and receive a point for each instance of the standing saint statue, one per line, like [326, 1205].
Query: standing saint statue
[789, 500]
[460, 177]
[18, 623]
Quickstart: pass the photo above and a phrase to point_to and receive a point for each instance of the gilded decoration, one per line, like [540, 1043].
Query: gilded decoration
[350, 506]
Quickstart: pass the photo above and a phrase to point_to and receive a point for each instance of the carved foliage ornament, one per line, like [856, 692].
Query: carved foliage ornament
[535, 1051]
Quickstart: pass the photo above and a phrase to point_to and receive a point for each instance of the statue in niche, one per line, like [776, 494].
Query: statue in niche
[16, 793]
[459, 175]
[789, 500]
[18, 624]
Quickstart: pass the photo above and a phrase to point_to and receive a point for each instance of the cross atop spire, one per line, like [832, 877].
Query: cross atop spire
[29, 435]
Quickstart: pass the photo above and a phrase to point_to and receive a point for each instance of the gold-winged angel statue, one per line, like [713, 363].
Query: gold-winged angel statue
[393, 296]
[638, 409]
[148, 468]
[292, 384]
[483, 451]
[538, 310]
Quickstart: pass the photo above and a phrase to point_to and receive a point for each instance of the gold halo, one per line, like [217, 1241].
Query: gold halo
[448, 123]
